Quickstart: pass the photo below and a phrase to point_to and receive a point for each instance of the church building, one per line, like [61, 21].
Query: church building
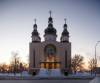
[50, 53]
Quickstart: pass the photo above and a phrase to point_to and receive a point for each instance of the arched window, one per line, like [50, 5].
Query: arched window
[50, 50]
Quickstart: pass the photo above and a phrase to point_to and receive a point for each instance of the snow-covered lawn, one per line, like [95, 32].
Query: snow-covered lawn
[43, 74]
[24, 73]
[83, 74]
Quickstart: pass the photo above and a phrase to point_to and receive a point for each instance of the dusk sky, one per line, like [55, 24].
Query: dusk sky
[17, 19]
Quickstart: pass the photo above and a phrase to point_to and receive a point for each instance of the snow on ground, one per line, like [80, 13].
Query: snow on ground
[44, 73]
[82, 74]
[49, 73]
[24, 73]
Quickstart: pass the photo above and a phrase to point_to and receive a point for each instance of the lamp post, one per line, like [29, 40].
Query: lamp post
[96, 55]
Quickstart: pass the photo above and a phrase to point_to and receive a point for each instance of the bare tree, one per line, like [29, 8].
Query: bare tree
[77, 63]
[92, 65]
[15, 63]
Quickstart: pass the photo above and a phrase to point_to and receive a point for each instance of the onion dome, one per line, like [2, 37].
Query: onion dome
[50, 21]
[35, 32]
[65, 31]
[50, 29]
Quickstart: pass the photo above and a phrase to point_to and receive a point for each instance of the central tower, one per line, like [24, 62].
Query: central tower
[50, 54]
[50, 31]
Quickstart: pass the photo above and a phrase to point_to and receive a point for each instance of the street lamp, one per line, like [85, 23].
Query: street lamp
[96, 55]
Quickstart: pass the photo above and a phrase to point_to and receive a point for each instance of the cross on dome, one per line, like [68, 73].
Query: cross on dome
[65, 20]
[35, 20]
[50, 12]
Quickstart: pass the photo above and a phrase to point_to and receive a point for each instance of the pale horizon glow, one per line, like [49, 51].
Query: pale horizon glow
[17, 19]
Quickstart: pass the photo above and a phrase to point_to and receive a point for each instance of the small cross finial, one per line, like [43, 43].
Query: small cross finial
[35, 20]
[65, 20]
[50, 12]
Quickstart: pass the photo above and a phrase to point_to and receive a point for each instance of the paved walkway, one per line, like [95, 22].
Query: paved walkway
[44, 81]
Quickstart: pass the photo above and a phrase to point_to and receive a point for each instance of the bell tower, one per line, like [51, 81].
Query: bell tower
[65, 34]
[35, 34]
